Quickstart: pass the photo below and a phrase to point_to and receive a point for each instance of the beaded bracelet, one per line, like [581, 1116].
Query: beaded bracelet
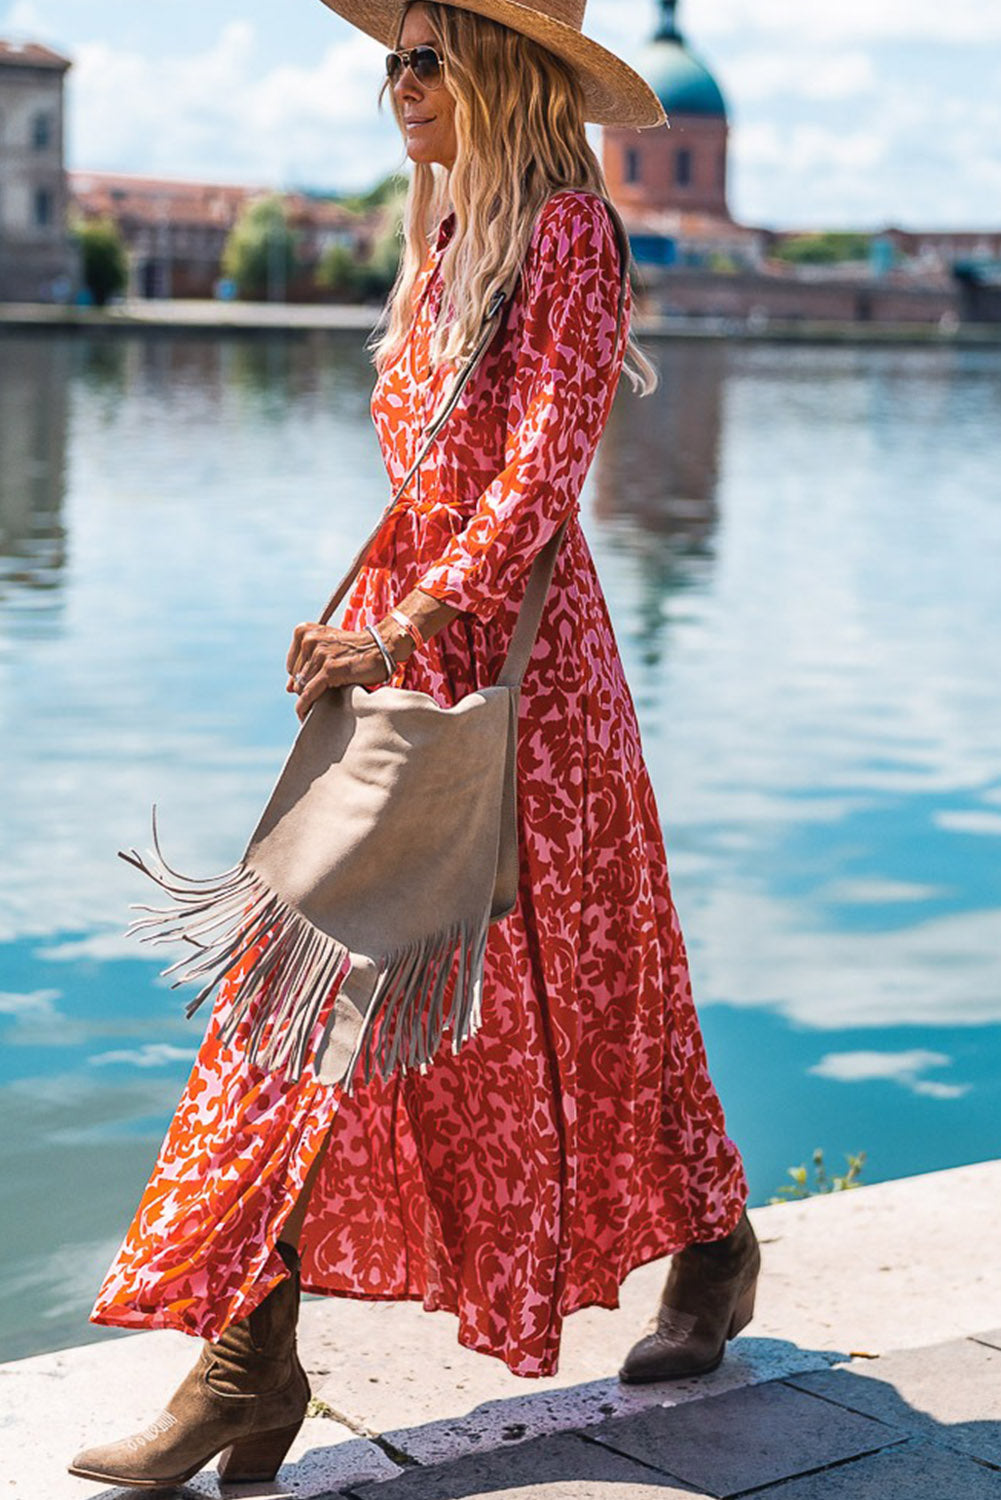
[409, 626]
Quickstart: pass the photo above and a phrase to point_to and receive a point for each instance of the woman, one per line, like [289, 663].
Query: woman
[577, 1134]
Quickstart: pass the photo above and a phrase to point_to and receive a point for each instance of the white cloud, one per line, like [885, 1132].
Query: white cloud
[960, 22]
[879, 164]
[904, 1068]
[809, 148]
[26, 17]
[767, 73]
[755, 950]
[956, 821]
[98, 948]
[218, 114]
[151, 1055]
[875, 891]
[37, 1005]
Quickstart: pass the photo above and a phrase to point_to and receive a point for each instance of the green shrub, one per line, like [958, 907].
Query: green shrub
[799, 1187]
[344, 275]
[822, 249]
[103, 257]
[260, 251]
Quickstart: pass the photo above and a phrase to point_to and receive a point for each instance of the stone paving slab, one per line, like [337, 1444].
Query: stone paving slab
[744, 1439]
[913, 1470]
[558, 1468]
[951, 1394]
[752, 1362]
[52, 1405]
[396, 1370]
[842, 1274]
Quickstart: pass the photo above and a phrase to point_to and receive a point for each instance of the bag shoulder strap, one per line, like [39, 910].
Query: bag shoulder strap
[541, 573]
[441, 417]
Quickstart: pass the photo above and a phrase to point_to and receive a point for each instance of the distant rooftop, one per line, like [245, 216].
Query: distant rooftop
[126, 195]
[31, 55]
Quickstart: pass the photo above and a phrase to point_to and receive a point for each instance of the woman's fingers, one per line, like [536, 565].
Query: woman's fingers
[314, 688]
[293, 650]
[311, 641]
[305, 639]
[329, 658]
[297, 682]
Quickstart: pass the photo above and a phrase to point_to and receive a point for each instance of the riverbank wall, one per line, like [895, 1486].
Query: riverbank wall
[268, 318]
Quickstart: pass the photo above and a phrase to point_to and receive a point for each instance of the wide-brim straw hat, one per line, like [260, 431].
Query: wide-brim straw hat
[614, 93]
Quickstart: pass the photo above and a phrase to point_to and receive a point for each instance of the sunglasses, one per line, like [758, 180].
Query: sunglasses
[425, 63]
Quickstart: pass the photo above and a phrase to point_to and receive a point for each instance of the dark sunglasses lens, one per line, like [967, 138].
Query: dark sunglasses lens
[427, 69]
[423, 60]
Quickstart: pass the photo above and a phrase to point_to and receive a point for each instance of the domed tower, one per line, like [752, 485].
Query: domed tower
[681, 165]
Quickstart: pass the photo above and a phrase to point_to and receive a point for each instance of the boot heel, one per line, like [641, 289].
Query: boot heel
[744, 1310]
[258, 1457]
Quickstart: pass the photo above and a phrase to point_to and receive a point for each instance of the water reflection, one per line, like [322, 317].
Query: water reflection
[656, 482]
[34, 384]
[659, 460]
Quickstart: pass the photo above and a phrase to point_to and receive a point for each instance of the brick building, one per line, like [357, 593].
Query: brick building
[695, 259]
[37, 259]
[670, 183]
[175, 231]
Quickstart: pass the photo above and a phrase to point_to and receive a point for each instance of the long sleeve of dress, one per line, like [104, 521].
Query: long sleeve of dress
[566, 372]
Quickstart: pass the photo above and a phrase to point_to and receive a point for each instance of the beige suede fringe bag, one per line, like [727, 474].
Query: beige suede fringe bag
[388, 847]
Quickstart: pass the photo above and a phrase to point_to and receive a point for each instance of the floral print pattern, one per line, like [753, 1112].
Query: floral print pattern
[577, 1134]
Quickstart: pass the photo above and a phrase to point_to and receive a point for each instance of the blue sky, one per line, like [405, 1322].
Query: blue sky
[863, 113]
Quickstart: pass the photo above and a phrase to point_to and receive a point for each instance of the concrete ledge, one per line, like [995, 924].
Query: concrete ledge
[847, 1281]
[267, 317]
[191, 316]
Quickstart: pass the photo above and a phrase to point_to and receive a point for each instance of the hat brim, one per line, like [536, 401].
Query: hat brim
[614, 93]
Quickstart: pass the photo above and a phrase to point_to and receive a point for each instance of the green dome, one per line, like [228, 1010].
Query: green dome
[683, 85]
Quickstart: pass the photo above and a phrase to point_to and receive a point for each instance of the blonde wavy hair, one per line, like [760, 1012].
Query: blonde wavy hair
[519, 124]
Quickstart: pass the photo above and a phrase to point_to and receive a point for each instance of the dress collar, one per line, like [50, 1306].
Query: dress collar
[445, 230]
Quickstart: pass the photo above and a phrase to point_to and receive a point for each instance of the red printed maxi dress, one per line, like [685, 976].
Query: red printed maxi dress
[577, 1134]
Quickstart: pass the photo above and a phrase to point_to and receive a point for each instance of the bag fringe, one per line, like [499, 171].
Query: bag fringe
[406, 1020]
[298, 968]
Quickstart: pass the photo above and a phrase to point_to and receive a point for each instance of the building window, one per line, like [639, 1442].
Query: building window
[43, 208]
[683, 168]
[41, 131]
[634, 170]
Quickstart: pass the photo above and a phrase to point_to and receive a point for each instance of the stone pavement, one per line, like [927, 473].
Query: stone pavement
[871, 1368]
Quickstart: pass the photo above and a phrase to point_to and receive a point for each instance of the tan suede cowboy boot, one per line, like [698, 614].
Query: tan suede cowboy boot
[245, 1398]
[707, 1299]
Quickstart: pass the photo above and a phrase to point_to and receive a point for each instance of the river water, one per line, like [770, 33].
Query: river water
[801, 549]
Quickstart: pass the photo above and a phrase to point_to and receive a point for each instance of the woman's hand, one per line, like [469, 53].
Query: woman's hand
[322, 657]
